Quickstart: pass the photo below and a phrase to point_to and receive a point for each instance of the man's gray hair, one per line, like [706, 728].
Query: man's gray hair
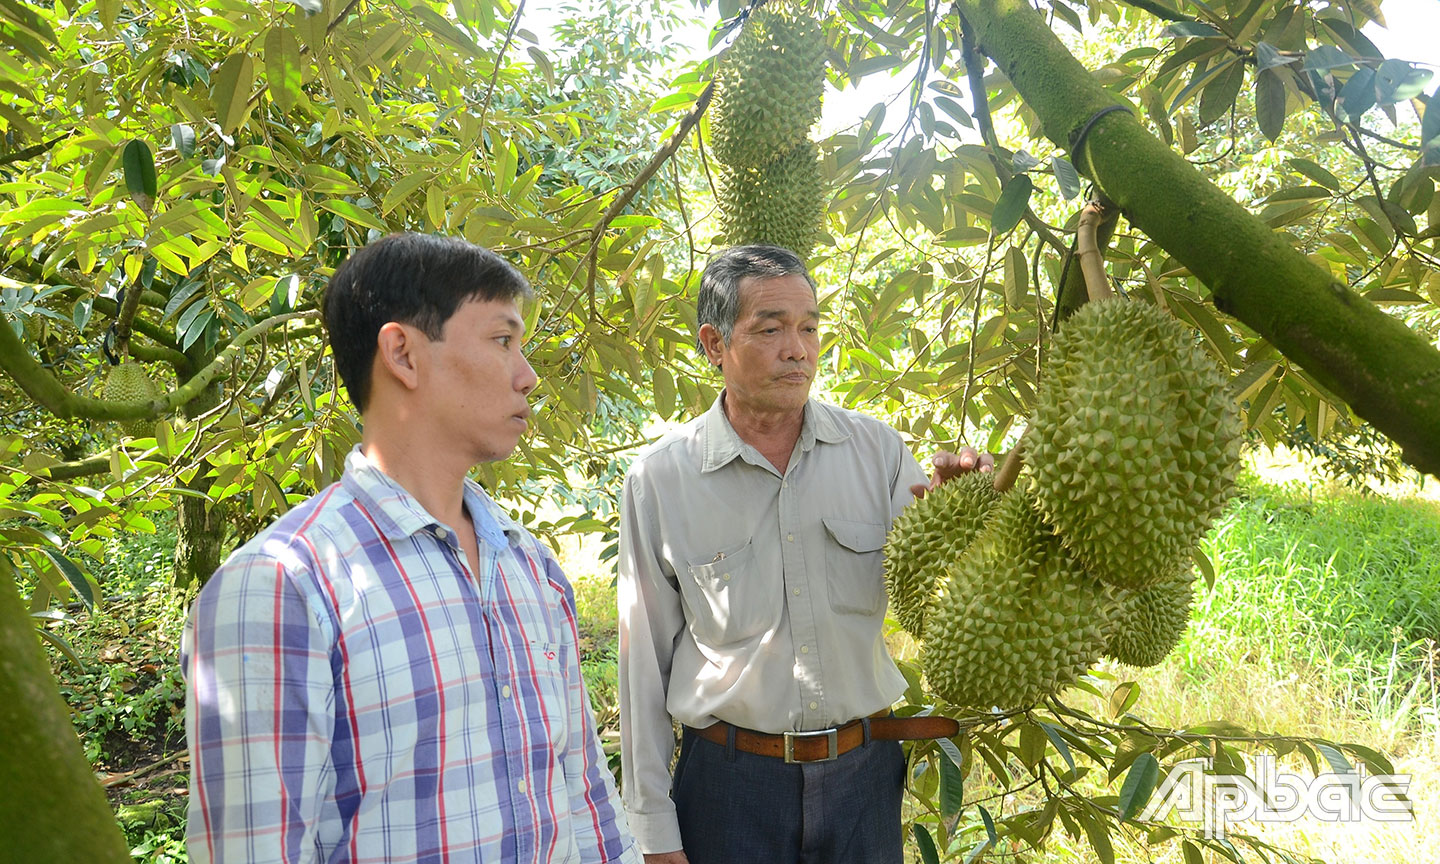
[719, 303]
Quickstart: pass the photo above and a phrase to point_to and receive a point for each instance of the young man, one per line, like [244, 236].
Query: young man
[389, 672]
[752, 601]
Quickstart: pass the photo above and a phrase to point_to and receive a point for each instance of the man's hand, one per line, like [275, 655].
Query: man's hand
[676, 857]
[950, 465]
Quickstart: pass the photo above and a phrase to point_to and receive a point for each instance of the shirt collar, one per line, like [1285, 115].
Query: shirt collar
[398, 514]
[722, 443]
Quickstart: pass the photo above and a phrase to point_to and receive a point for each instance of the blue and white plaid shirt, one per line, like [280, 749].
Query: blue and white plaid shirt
[356, 695]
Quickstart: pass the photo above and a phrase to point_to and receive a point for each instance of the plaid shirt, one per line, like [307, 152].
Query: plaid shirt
[356, 695]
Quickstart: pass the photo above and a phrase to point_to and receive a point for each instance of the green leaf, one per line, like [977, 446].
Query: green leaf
[926, 844]
[664, 384]
[1397, 81]
[952, 785]
[230, 91]
[1338, 763]
[183, 137]
[1270, 103]
[1193, 855]
[353, 214]
[1139, 785]
[1066, 176]
[139, 164]
[1267, 56]
[83, 587]
[1219, 96]
[1202, 563]
[1060, 746]
[1358, 94]
[1098, 833]
[1123, 697]
[989, 821]
[1323, 58]
[1193, 30]
[62, 646]
[1199, 82]
[1032, 745]
[1009, 209]
[282, 68]
[1315, 172]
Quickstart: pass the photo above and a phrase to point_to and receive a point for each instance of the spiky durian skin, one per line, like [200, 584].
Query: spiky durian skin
[1016, 618]
[1134, 441]
[928, 537]
[1147, 624]
[129, 382]
[768, 87]
[780, 204]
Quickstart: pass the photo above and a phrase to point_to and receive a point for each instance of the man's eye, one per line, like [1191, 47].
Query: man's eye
[504, 341]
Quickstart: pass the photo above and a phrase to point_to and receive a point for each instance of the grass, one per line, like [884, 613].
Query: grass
[1322, 621]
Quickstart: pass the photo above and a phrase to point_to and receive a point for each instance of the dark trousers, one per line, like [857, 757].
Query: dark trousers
[740, 808]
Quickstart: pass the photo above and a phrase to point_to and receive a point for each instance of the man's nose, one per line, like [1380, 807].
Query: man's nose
[526, 379]
[795, 348]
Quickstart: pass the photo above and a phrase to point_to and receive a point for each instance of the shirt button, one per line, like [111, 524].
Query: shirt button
[726, 577]
[814, 706]
[804, 649]
[522, 786]
[441, 533]
[505, 691]
[790, 538]
[796, 592]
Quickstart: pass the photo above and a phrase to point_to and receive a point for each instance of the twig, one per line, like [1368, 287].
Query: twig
[499, 59]
[33, 151]
[129, 776]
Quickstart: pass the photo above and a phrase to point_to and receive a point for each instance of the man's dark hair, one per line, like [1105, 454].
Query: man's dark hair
[415, 279]
[719, 302]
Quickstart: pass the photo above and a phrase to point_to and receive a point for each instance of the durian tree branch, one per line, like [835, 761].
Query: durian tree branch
[1386, 372]
[125, 315]
[50, 394]
[87, 467]
[1159, 10]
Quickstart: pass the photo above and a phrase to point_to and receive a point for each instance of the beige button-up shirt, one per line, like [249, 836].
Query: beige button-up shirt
[749, 596]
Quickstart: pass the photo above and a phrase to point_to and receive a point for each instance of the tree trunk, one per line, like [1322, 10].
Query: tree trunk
[51, 808]
[1386, 372]
[200, 537]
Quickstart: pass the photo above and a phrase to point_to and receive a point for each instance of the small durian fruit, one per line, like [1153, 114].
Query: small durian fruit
[1016, 619]
[1134, 441]
[768, 87]
[129, 382]
[780, 204]
[927, 537]
[1147, 624]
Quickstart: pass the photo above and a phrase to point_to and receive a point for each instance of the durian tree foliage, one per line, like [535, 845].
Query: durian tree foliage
[178, 180]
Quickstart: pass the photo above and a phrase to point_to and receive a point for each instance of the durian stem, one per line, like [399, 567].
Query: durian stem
[125, 315]
[1087, 249]
[1014, 461]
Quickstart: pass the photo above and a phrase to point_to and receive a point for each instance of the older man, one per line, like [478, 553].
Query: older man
[389, 672]
[752, 601]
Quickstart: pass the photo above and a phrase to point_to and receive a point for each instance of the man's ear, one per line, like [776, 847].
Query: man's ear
[397, 354]
[713, 343]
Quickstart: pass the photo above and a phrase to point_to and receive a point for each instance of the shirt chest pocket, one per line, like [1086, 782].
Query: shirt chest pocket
[854, 573]
[729, 599]
[549, 700]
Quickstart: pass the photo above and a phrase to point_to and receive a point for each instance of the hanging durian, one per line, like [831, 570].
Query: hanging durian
[927, 538]
[1147, 624]
[780, 204]
[1133, 443]
[1017, 618]
[129, 382]
[768, 87]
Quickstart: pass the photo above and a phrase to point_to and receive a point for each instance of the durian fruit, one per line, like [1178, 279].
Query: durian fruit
[1147, 623]
[1017, 618]
[768, 87]
[129, 382]
[780, 204]
[1133, 443]
[927, 537]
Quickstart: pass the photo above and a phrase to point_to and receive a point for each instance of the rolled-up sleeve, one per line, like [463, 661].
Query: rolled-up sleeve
[650, 620]
[259, 714]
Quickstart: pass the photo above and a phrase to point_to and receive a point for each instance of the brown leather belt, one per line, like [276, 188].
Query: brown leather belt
[822, 745]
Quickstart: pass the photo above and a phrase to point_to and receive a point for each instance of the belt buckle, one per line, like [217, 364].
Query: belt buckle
[832, 735]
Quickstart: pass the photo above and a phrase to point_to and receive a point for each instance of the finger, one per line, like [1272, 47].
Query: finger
[919, 489]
